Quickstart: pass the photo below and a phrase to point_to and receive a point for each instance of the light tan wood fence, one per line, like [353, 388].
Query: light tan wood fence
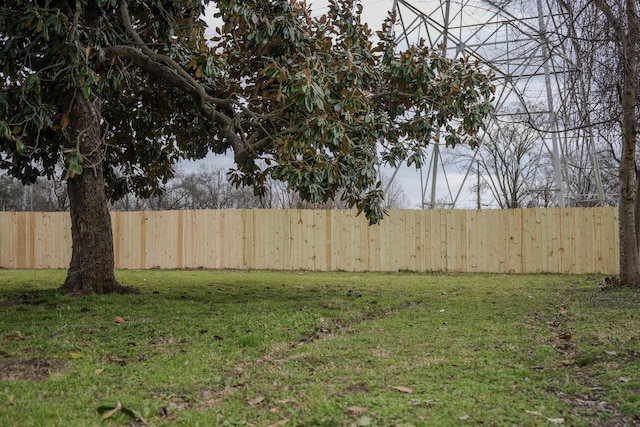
[505, 241]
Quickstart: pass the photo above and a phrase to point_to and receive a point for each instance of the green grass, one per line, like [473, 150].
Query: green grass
[319, 349]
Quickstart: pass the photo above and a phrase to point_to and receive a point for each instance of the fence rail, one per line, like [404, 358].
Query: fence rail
[572, 240]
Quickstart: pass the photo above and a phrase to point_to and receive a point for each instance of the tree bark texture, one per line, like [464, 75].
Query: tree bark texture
[629, 254]
[92, 261]
[626, 27]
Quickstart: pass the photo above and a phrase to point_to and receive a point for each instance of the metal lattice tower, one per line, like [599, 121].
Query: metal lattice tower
[535, 67]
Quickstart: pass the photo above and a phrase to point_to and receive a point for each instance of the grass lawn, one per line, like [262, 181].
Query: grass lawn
[261, 348]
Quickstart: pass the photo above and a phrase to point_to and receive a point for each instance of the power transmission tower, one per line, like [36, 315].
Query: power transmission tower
[535, 65]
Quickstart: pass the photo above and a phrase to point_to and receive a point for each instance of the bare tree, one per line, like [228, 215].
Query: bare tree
[45, 195]
[394, 195]
[283, 197]
[129, 202]
[12, 194]
[511, 162]
[48, 195]
[206, 188]
[608, 32]
[509, 159]
[210, 189]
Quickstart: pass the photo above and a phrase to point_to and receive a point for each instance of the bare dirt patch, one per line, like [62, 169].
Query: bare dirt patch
[10, 302]
[29, 369]
[357, 388]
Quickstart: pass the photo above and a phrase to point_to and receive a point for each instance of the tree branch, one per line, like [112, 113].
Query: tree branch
[613, 20]
[170, 71]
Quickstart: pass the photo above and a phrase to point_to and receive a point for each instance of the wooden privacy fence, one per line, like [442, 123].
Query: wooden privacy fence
[574, 240]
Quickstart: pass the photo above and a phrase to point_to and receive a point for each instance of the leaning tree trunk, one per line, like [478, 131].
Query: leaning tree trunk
[92, 260]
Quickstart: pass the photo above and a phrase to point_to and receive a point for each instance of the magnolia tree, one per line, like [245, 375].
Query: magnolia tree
[116, 91]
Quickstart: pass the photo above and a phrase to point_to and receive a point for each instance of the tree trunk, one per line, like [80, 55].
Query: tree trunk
[629, 254]
[629, 259]
[92, 259]
[626, 27]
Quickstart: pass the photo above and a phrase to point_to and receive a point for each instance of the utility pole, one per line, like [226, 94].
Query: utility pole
[478, 186]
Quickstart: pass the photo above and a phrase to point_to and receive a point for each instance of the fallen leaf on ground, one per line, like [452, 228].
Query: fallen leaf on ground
[98, 371]
[357, 409]
[109, 414]
[567, 337]
[256, 400]
[402, 389]
[75, 355]
[279, 423]
[556, 420]
[119, 320]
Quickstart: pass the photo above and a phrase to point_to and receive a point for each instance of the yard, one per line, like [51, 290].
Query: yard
[319, 349]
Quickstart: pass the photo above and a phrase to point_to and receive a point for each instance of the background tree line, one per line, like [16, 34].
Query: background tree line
[514, 169]
[205, 188]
